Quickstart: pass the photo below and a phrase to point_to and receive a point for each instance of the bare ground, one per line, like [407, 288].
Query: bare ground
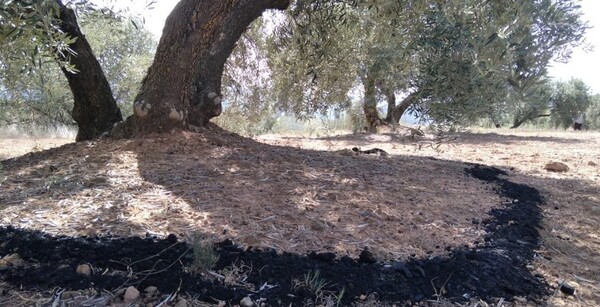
[443, 230]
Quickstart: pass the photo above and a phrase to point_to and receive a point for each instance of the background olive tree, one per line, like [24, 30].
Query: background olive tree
[34, 91]
[448, 62]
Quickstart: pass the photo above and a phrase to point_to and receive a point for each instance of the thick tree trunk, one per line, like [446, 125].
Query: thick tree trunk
[370, 103]
[95, 110]
[183, 85]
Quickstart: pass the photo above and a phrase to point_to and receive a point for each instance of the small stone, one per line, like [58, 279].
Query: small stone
[318, 225]
[182, 303]
[212, 95]
[366, 257]
[68, 295]
[592, 163]
[251, 240]
[150, 299]
[556, 167]
[151, 289]
[131, 294]
[84, 270]
[11, 260]
[362, 297]
[246, 302]
[521, 300]
[567, 289]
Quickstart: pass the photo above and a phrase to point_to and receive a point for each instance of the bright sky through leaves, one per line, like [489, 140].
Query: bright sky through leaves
[584, 64]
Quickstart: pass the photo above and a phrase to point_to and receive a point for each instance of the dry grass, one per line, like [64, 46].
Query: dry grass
[307, 194]
[14, 147]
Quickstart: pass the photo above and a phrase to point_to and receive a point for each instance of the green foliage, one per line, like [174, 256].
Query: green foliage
[592, 116]
[554, 104]
[238, 121]
[313, 57]
[315, 284]
[39, 95]
[467, 59]
[356, 118]
[29, 33]
[204, 258]
[569, 100]
[248, 106]
[459, 75]
[534, 104]
[124, 50]
[461, 59]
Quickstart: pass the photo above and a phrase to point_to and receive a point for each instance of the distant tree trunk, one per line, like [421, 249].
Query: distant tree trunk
[392, 116]
[395, 112]
[527, 117]
[95, 110]
[183, 85]
[370, 103]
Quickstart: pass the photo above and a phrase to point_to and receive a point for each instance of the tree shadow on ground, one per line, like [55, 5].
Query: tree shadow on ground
[73, 178]
[495, 268]
[492, 269]
[368, 138]
[489, 138]
[362, 139]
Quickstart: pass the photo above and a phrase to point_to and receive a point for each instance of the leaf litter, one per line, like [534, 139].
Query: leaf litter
[432, 230]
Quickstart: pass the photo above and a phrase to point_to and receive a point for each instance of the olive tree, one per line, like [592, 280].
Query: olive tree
[454, 61]
[34, 92]
[445, 54]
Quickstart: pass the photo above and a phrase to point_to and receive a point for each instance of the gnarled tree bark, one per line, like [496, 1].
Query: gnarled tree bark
[183, 85]
[370, 103]
[95, 110]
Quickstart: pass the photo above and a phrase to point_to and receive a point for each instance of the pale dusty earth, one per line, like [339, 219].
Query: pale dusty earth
[300, 194]
[570, 229]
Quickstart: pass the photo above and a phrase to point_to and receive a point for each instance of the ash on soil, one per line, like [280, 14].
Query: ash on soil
[494, 269]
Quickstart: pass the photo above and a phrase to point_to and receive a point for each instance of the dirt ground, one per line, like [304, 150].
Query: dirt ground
[305, 221]
[11, 147]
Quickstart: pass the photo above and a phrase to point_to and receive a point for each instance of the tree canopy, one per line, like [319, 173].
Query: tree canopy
[452, 61]
[449, 61]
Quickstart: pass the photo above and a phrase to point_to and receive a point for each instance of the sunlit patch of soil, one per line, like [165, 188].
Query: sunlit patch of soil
[10, 147]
